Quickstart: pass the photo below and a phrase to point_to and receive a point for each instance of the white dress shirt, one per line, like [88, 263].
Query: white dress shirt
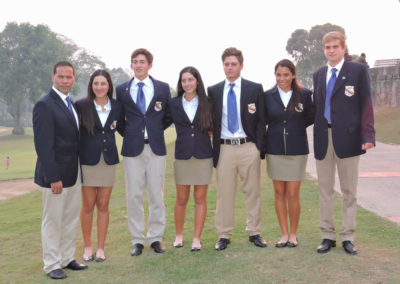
[285, 96]
[148, 91]
[103, 114]
[329, 72]
[63, 98]
[190, 107]
[225, 132]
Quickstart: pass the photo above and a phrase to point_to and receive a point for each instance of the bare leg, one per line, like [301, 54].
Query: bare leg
[182, 197]
[281, 208]
[102, 202]
[293, 198]
[200, 199]
[88, 201]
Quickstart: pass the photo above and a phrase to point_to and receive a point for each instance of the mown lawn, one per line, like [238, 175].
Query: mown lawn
[378, 241]
[387, 125]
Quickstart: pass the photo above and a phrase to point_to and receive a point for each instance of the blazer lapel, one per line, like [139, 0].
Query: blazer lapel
[110, 115]
[277, 97]
[243, 105]
[129, 97]
[219, 101]
[340, 79]
[64, 108]
[182, 110]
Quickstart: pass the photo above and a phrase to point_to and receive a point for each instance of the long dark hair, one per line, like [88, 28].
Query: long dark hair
[297, 88]
[205, 113]
[87, 115]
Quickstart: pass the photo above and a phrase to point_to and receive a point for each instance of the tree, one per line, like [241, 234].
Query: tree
[27, 56]
[306, 49]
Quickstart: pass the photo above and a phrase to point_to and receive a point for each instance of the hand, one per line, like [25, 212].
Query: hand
[367, 145]
[210, 133]
[56, 187]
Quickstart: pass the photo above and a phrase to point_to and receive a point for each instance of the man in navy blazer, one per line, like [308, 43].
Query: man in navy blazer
[145, 108]
[56, 137]
[343, 130]
[238, 133]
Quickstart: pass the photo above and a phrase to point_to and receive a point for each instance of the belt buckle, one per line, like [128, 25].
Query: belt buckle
[235, 141]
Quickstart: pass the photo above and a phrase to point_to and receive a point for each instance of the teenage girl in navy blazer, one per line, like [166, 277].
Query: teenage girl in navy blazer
[191, 114]
[289, 110]
[99, 115]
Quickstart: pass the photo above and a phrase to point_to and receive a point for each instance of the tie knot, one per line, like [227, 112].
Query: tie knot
[140, 84]
[232, 85]
[334, 71]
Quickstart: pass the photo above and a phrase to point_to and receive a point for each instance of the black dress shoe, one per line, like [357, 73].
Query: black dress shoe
[222, 244]
[258, 241]
[73, 265]
[326, 246]
[281, 245]
[57, 274]
[137, 249]
[349, 247]
[157, 247]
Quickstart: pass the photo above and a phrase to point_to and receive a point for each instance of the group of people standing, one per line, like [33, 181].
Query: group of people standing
[232, 128]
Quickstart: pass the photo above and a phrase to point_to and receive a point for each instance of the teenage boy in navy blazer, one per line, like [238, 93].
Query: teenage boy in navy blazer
[238, 135]
[145, 108]
[343, 130]
[56, 138]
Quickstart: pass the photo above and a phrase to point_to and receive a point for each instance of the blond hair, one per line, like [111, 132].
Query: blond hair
[334, 36]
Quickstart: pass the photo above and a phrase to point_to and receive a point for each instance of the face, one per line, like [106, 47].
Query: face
[140, 66]
[232, 68]
[64, 79]
[189, 83]
[284, 78]
[334, 52]
[100, 86]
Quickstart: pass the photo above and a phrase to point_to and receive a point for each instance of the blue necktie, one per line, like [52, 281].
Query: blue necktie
[329, 89]
[69, 105]
[233, 125]
[140, 99]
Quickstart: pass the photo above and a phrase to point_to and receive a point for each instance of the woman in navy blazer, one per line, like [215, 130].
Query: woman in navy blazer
[288, 111]
[99, 114]
[191, 114]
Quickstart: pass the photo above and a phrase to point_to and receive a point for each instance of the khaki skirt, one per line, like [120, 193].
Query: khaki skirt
[100, 175]
[286, 168]
[193, 171]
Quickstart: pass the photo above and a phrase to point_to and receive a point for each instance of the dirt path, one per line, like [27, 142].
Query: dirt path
[12, 188]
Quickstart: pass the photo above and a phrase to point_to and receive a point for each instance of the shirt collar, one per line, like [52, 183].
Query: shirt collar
[282, 92]
[61, 95]
[107, 106]
[338, 66]
[193, 101]
[237, 83]
[146, 81]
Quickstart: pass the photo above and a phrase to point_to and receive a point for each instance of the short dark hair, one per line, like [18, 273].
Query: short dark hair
[145, 52]
[233, 51]
[62, 63]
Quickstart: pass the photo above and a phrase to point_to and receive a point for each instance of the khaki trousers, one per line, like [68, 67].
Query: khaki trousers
[59, 225]
[233, 160]
[147, 169]
[348, 177]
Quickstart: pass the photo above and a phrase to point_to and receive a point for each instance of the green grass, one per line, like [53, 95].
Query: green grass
[22, 152]
[378, 241]
[387, 123]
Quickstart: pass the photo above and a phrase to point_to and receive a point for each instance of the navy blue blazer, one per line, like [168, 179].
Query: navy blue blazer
[56, 138]
[190, 141]
[252, 121]
[286, 132]
[103, 140]
[156, 119]
[351, 111]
